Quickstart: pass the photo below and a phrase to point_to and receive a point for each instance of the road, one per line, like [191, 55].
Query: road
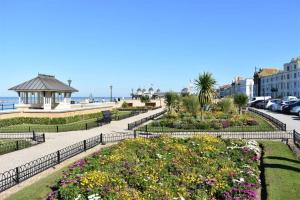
[292, 121]
[57, 141]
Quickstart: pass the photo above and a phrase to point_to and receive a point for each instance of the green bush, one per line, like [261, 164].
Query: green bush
[48, 121]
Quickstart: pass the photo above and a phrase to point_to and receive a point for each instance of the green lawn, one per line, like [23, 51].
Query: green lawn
[7, 146]
[282, 171]
[38, 190]
[80, 125]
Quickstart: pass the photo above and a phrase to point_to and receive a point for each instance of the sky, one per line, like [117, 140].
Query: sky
[139, 43]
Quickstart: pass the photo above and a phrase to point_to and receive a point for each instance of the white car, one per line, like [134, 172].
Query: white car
[277, 107]
[272, 102]
[290, 98]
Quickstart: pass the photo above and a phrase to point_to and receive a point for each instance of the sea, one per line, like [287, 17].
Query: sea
[7, 102]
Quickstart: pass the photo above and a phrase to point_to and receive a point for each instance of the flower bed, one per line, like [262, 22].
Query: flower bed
[217, 121]
[203, 167]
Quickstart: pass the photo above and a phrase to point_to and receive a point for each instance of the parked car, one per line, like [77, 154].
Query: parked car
[256, 100]
[254, 103]
[271, 102]
[278, 107]
[289, 105]
[296, 109]
[261, 105]
[289, 98]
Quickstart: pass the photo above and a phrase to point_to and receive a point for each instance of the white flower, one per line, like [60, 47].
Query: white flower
[78, 197]
[159, 156]
[94, 197]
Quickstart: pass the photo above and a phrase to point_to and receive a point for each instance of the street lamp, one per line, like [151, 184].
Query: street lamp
[111, 87]
[69, 82]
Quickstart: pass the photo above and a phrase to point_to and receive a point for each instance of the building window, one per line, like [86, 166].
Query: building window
[288, 76]
[288, 68]
[295, 66]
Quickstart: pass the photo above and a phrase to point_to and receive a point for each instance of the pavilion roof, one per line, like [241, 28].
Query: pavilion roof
[44, 83]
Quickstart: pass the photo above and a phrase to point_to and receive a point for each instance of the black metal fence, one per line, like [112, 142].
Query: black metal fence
[131, 114]
[296, 138]
[141, 121]
[66, 127]
[7, 106]
[23, 172]
[276, 122]
[272, 135]
[14, 142]
[13, 177]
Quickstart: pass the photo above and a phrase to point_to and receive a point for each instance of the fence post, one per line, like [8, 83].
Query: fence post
[84, 145]
[17, 175]
[33, 136]
[101, 139]
[44, 138]
[284, 126]
[294, 136]
[86, 126]
[134, 134]
[57, 129]
[17, 145]
[146, 128]
[2, 106]
[58, 157]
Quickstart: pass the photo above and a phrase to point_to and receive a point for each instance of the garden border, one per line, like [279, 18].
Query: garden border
[21, 173]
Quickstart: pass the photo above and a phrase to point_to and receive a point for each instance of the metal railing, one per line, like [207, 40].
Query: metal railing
[296, 138]
[276, 122]
[65, 127]
[14, 142]
[7, 107]
[146, 119]
[14, 176]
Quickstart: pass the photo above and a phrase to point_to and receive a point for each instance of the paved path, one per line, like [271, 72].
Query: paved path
[57, 141]
[292, 121]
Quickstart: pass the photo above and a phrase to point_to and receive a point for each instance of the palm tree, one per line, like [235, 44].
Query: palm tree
[205, 84]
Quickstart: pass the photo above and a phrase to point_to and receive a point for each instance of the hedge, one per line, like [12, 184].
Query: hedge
[48, 121]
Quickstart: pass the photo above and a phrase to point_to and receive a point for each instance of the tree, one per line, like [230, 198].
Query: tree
[205, 84]
[226, 105]
[145, 99]
[240, 100]
[172, 100]
[191, 104]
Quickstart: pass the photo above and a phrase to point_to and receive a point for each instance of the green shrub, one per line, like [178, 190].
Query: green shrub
[226, 105]
[125, 104]
[48, 121]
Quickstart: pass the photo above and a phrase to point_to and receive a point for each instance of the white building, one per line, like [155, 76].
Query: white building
[239, 85]
[44, 92]
[284, 83]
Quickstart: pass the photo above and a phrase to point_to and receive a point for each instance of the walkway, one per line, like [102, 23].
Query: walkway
[57, 141]
[292, 121]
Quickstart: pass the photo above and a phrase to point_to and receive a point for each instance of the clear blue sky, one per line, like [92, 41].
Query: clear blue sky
[132, 44]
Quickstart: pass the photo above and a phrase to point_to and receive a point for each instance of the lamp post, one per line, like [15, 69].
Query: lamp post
[111, 87]
[69, 82]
